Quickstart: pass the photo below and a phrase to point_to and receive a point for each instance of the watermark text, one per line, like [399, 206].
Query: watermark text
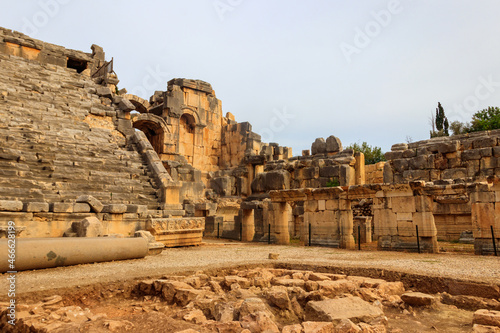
[48, 9]
[484, 89]
[222, 7]
[11, 273]
[363, 37]
[277, 123]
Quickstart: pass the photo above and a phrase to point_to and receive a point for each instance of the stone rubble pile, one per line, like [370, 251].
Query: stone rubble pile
[49, 315]
[255, 300]
[363, 208]
[280, 300]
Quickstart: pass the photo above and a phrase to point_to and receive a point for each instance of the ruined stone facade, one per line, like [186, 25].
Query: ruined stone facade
[75, 147]
[69, 150]
[401, 212]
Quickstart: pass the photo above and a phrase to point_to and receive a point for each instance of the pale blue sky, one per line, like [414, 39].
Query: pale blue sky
[360, 70]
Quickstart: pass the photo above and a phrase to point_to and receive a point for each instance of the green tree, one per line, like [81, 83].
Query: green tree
[483, 120]
[458, 127]
[372, 154]
[486, 119]
[441, 123]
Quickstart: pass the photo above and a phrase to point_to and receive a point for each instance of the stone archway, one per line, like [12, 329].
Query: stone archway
[155, 129]
[141, 105]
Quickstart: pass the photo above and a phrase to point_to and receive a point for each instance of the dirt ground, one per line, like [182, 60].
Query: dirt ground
[215, 254]
[109, 288]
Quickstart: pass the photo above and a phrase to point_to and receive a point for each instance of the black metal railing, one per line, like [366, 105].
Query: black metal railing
[104, 70]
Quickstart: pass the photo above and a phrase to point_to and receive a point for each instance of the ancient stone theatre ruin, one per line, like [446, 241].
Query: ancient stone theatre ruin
[81, 158]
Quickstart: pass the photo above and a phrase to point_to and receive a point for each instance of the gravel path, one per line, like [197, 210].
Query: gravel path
[214, 255]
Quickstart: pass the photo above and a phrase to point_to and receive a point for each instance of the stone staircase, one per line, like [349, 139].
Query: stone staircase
[55, 143]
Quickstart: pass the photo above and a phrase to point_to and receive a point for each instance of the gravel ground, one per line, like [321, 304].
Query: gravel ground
[213, 254]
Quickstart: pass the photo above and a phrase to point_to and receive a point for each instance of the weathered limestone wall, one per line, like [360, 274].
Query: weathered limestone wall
[485, 210]
[452, 216]
[66, 131]
[54, 221]
[441, 211]
[316, 172]
[275, 152]
[310, 171]
[374, 173]
[327, 210]
[238, 142]
[398, 209]
[329, 164]
[19, 45]
[471, 157]
[239, 180]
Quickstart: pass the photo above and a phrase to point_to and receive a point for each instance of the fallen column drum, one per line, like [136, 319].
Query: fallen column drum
[35, 253]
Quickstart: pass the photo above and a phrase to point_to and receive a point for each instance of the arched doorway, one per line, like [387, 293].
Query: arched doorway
[187, 127]
[155, 129]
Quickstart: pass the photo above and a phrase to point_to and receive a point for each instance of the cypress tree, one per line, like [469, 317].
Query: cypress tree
[439, 123]
[439, 117]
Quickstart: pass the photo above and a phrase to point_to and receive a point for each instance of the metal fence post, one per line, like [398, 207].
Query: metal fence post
[269, 234]
[310, 234]
[494, 243]
[359, 237]
[418, 240]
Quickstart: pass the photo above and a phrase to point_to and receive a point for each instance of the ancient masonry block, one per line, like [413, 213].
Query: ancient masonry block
[12, 206]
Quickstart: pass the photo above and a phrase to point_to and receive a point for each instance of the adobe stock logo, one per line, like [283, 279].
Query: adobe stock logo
[364, 37]
[485, 88]
[277, 123]
[223, 6]
[153, 78]
[49, 9]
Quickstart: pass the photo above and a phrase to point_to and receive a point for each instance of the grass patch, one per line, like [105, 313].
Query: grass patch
[430, 261]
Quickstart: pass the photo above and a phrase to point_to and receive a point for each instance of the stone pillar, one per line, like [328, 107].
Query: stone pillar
[346, 225]
[281, 223]
[424, 218]
[248, 225]
[258, 169]
[359, 168]
[251, 176]
[485, 214]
